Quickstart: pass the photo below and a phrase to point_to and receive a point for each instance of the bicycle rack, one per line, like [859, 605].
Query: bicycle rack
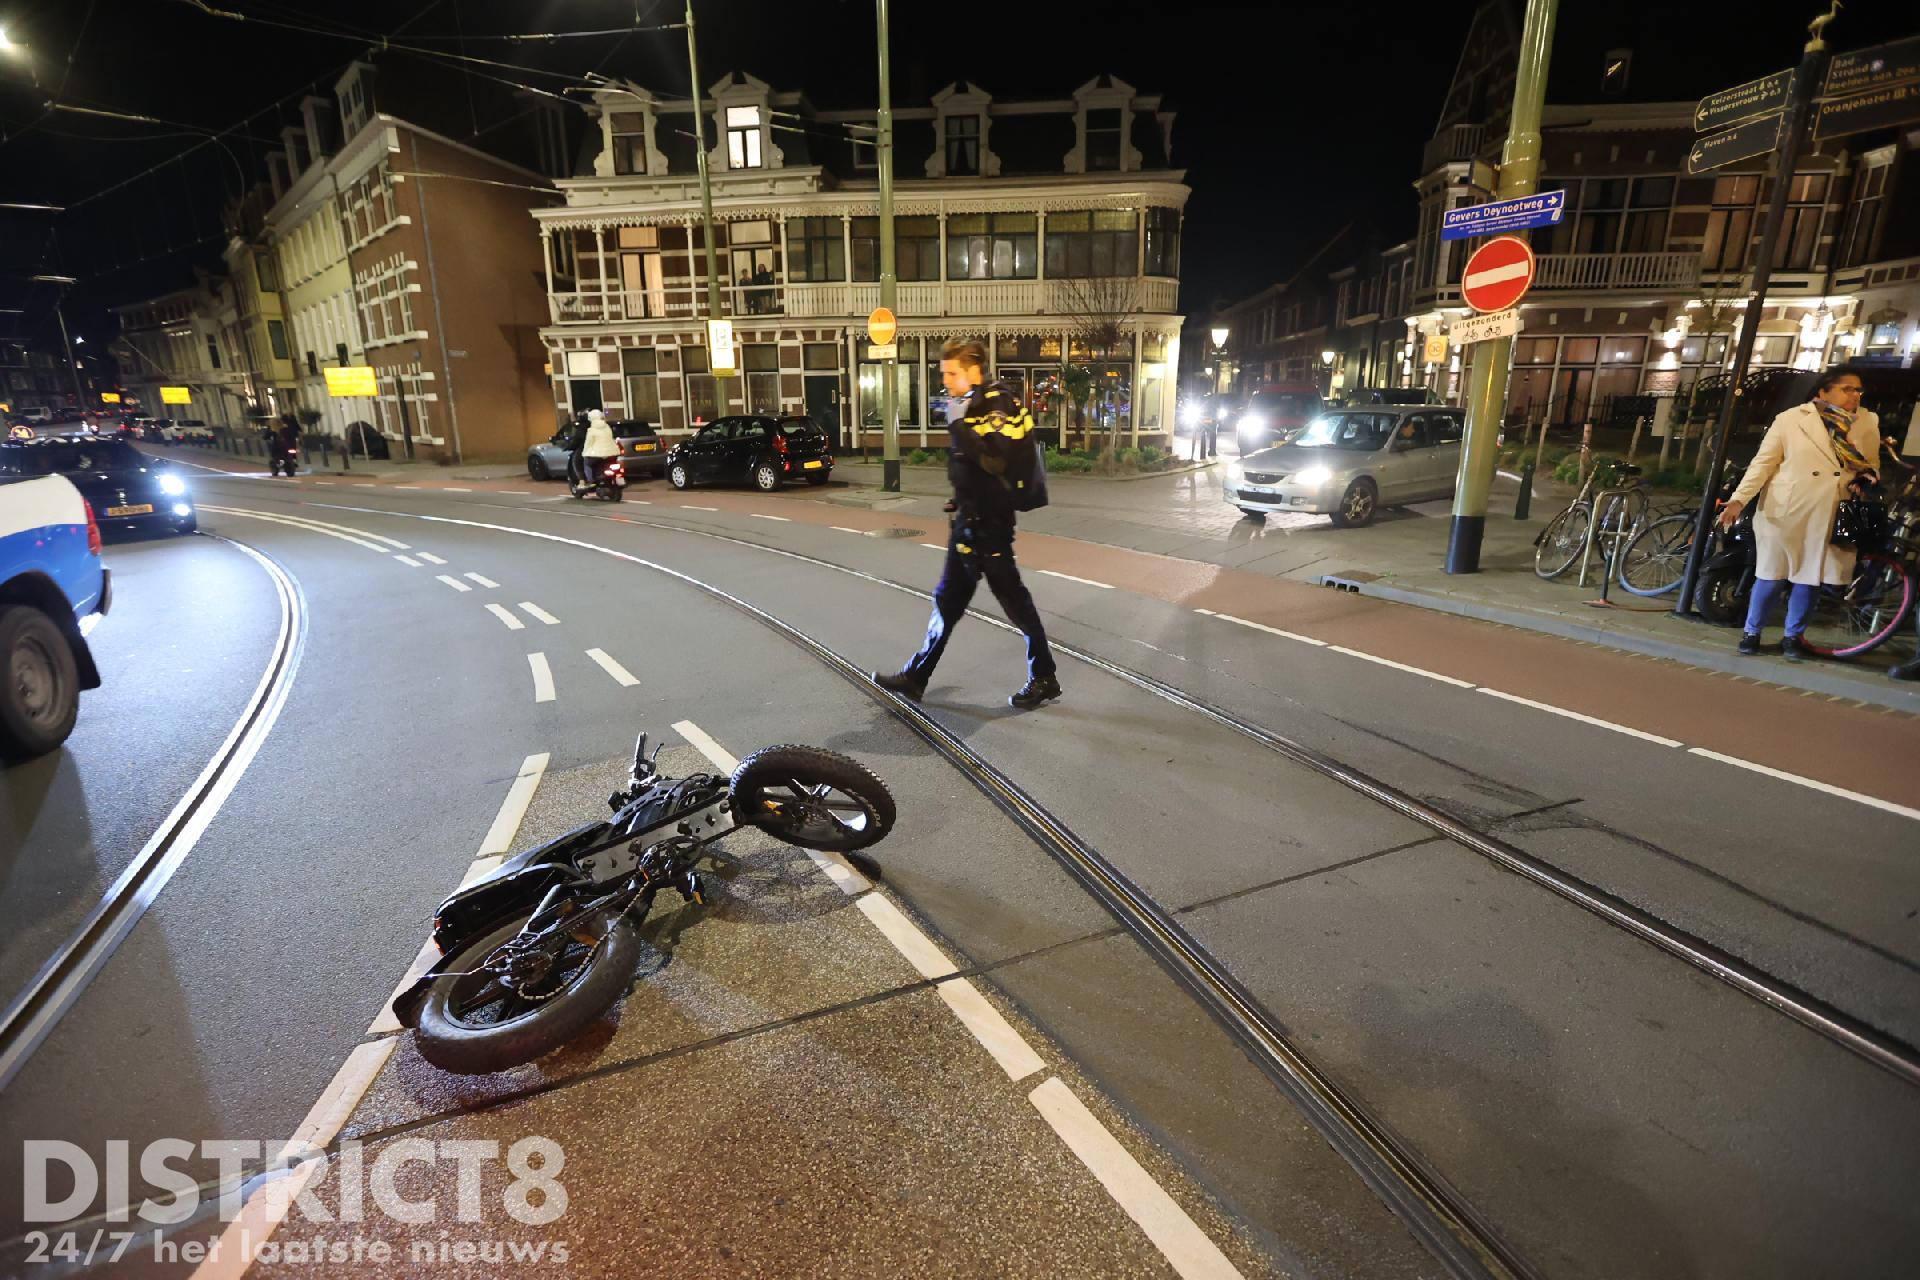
[1602, 508]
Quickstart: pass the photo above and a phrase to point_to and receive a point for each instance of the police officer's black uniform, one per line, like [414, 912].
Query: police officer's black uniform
[992, 462]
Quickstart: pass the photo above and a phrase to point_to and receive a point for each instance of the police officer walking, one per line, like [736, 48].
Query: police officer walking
[994, 467]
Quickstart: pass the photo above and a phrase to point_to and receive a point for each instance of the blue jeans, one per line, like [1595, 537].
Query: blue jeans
[1799, 604]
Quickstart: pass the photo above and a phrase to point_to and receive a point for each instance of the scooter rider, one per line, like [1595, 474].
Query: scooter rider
[595, 448]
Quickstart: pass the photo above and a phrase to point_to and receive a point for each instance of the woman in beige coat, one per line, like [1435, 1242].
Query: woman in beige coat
[1812, 456]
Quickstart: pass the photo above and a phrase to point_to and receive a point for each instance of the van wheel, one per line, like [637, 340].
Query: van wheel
[39, 683]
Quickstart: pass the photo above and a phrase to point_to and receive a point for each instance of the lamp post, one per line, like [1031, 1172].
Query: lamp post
[889, 369]
[1220, 335]
[706, 214]
[1326, 364]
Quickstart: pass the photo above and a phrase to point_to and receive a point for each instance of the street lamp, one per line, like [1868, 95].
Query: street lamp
[1220, 334]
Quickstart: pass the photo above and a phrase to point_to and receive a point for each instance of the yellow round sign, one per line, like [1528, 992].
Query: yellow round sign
[881, 326]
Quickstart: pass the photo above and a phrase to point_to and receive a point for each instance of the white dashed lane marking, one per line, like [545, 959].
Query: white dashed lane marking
[454, 582]
[542, 677]
[624, 677]
[482, 580]
[535, 612]
[505, 615]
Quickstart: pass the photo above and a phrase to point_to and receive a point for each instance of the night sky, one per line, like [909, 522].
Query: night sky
[1293, 120]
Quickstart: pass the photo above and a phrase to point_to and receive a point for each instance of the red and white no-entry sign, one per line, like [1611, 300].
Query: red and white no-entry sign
[1497, 274]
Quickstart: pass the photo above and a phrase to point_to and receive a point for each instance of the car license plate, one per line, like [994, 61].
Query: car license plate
[1256, 488]
[645, 448]
[141, 509]
[815, 465]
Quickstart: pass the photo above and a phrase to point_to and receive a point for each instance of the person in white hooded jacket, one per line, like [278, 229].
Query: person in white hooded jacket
[595, 448]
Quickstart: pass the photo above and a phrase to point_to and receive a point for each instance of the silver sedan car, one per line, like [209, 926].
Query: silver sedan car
[1349, 463]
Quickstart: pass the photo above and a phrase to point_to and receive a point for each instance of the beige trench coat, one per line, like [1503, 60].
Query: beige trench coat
[1800, 483]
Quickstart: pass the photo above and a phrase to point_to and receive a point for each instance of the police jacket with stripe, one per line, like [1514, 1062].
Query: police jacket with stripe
[992, 455]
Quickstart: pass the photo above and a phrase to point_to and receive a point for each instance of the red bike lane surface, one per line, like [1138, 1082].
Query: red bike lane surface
[1827, 740]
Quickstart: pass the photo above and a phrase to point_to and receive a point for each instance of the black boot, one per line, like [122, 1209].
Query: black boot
[1792, 650]
[905, 683]
[1905, 671]
[1040, 689]
[1750, 643]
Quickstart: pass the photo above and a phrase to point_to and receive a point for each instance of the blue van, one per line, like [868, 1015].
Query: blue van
[52, 588]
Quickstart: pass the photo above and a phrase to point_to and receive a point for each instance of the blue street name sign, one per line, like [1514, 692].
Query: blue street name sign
[1502, 216]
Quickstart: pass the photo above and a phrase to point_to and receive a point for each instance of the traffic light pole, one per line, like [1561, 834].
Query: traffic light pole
[889, 369]
[1806, 78]
[1487, 386]
[706, 213]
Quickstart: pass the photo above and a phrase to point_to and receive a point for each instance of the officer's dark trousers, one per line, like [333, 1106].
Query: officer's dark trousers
[976, 551]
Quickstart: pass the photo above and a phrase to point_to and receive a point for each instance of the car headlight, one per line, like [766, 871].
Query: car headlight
[1252, 422]
[172, 486]
[1313, 477]
[1234, 473]
[1190, 415]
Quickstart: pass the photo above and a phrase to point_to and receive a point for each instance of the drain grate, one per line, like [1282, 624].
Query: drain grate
[1346, 581]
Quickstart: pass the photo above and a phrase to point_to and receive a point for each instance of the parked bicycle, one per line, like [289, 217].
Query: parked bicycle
[1654, 559]
[1569, 536]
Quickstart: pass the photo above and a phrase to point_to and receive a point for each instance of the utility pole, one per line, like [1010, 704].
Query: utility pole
[73, 366]
[1806, 79]
[706, 212]
[889, 369]
[1487, 388]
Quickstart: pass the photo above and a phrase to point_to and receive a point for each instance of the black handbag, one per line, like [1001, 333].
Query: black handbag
[1861, 524]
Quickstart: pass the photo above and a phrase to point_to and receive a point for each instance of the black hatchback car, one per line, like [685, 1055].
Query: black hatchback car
[765, 452]
[127, 490]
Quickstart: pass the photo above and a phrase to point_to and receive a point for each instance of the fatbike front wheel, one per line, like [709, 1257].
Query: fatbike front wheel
[812, 798]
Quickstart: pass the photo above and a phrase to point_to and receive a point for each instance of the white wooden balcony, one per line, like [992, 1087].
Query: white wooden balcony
[847, 301]
[1599, 271]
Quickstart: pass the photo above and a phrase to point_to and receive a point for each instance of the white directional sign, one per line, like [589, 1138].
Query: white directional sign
[720, 347]
[1494, 324]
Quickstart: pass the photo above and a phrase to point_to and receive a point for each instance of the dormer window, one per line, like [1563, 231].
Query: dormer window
[743, 138]
[963, 146]
[355, 93]
[1103, 140]
[629, 134]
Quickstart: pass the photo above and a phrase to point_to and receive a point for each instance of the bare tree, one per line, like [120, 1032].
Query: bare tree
[1100, 312]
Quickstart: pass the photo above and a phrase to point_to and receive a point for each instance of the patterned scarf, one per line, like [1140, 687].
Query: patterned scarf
[1838, 421]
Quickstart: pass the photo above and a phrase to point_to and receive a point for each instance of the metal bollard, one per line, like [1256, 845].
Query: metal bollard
[1524, 503]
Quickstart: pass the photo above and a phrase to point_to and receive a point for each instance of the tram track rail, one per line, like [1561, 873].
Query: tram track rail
[37, 1008]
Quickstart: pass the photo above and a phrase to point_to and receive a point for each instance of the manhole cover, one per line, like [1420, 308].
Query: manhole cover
[893, 532]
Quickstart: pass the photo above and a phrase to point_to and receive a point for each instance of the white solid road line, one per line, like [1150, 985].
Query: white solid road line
[698, 739]
[447, 488]
[1261, 626]
[782, 519]
[539, 614]
[1014, 1055]
[518, 493]
[328, 530]
[1871, 801]
[431, 558]
[408, 561]
[906, 937]
[1184, 1244]
[625, 677]
[267, 1207]
[514, 807]
[1401, 666]
[1085, 582]
[542, 677]
[1583, 719]
[309, 522]
[454, 582]
[689, 507]
[842, 529]
[386, 1024]
[482, 579]
[505, 615]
